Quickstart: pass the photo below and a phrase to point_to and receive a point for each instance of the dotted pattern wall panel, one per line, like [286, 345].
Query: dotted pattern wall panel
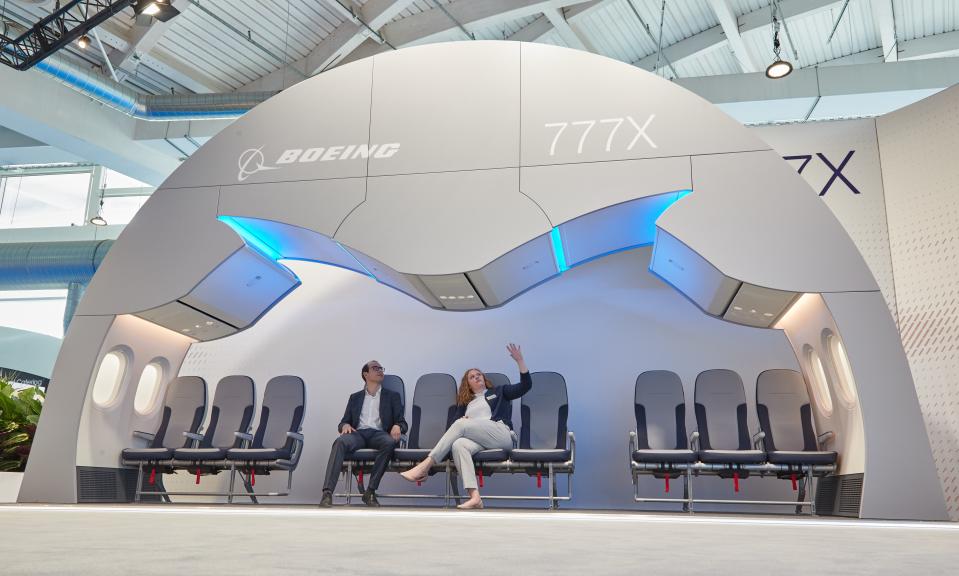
[840, 161]
[920, 169]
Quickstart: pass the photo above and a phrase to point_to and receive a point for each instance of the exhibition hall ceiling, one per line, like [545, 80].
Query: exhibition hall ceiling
[227, 45]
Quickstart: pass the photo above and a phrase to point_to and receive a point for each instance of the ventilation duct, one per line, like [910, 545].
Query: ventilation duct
[146, 107]
[50, 265]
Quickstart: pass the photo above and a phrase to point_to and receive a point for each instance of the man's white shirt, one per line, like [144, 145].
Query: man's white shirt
[370, 414]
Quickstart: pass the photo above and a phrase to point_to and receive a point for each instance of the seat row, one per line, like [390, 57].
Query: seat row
[786, 445]
[228, 442]
[545, 446]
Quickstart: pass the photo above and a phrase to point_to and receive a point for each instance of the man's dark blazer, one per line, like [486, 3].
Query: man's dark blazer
[391, 411]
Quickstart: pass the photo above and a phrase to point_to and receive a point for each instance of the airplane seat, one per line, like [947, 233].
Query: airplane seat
[722, 424]
[278, 441]
[184, 406]
[231, 411]
[785, 415]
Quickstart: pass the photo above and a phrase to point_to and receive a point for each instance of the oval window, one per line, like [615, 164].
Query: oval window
[847, 384]
[109, 377]
[820, 386]
[148, 388]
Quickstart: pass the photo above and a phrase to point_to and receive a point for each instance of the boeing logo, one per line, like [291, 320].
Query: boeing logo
[253, 161]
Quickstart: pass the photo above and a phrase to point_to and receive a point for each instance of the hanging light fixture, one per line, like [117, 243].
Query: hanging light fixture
[779, 68]
[162, 10]
[83, 41]
[99, 220]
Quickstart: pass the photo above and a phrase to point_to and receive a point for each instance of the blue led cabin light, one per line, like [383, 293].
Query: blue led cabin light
[558, 252]
[251, 238]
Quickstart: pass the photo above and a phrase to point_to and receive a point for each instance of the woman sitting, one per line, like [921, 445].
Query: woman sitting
[481, 424]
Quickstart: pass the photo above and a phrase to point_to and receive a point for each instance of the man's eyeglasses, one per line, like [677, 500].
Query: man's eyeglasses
[376, 368]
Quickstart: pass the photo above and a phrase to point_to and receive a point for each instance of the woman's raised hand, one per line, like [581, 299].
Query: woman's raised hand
[516, 353]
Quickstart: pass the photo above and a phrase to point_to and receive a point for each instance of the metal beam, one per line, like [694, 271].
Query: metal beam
[730, 25]
[64, 25]
[180, 72]
[81, 127]
[832, 92]
[430, 24]
[886, 22]
[145, 34]
[17, 149]
[542, 26]
[935, 46]
[534, 30]
[347, 37]
[571, 37]
[338, 48]
[713, 38]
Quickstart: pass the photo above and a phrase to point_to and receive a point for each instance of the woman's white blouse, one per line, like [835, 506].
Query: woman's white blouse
[478, 408]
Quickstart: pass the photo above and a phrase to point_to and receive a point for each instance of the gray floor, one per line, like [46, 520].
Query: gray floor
[155, 539]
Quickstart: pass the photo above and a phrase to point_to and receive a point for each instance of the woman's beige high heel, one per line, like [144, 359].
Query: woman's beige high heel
[468, 506]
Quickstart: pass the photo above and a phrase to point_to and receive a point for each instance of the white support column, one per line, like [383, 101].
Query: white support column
[886, 22]
[730, 25]
[93, 194]
[571, 37]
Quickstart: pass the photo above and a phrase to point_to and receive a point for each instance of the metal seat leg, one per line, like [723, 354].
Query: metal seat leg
[229, 499]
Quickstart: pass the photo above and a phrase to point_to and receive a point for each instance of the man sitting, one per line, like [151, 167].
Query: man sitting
[370, 413]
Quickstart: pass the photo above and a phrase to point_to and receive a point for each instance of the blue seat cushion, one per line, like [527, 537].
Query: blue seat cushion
[257, 454]
[732, 456]
[362, 455]
[664, 456]
[544, 455]
[410, 454]
[147, 454]
[801, 457]
[197, 454]
[495, 455]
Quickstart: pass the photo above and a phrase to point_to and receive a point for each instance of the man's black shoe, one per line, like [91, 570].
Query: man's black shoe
[369, 498]
[327, 500]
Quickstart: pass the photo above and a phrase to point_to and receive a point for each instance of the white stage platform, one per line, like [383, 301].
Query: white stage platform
[159, 539]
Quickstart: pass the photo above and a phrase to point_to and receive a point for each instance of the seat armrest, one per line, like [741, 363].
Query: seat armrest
[197, 438]
[694, 441]
[297, 447]
[825, 438]
[571, 445]
[630, 448]
[758, 440]
[148, 436]
[246, 437]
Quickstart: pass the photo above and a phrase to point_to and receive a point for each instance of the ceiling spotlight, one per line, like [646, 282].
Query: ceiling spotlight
[779, 68]
[84, 41]
[162, 10]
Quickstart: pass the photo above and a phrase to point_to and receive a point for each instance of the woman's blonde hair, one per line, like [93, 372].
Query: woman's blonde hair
[465, 394]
